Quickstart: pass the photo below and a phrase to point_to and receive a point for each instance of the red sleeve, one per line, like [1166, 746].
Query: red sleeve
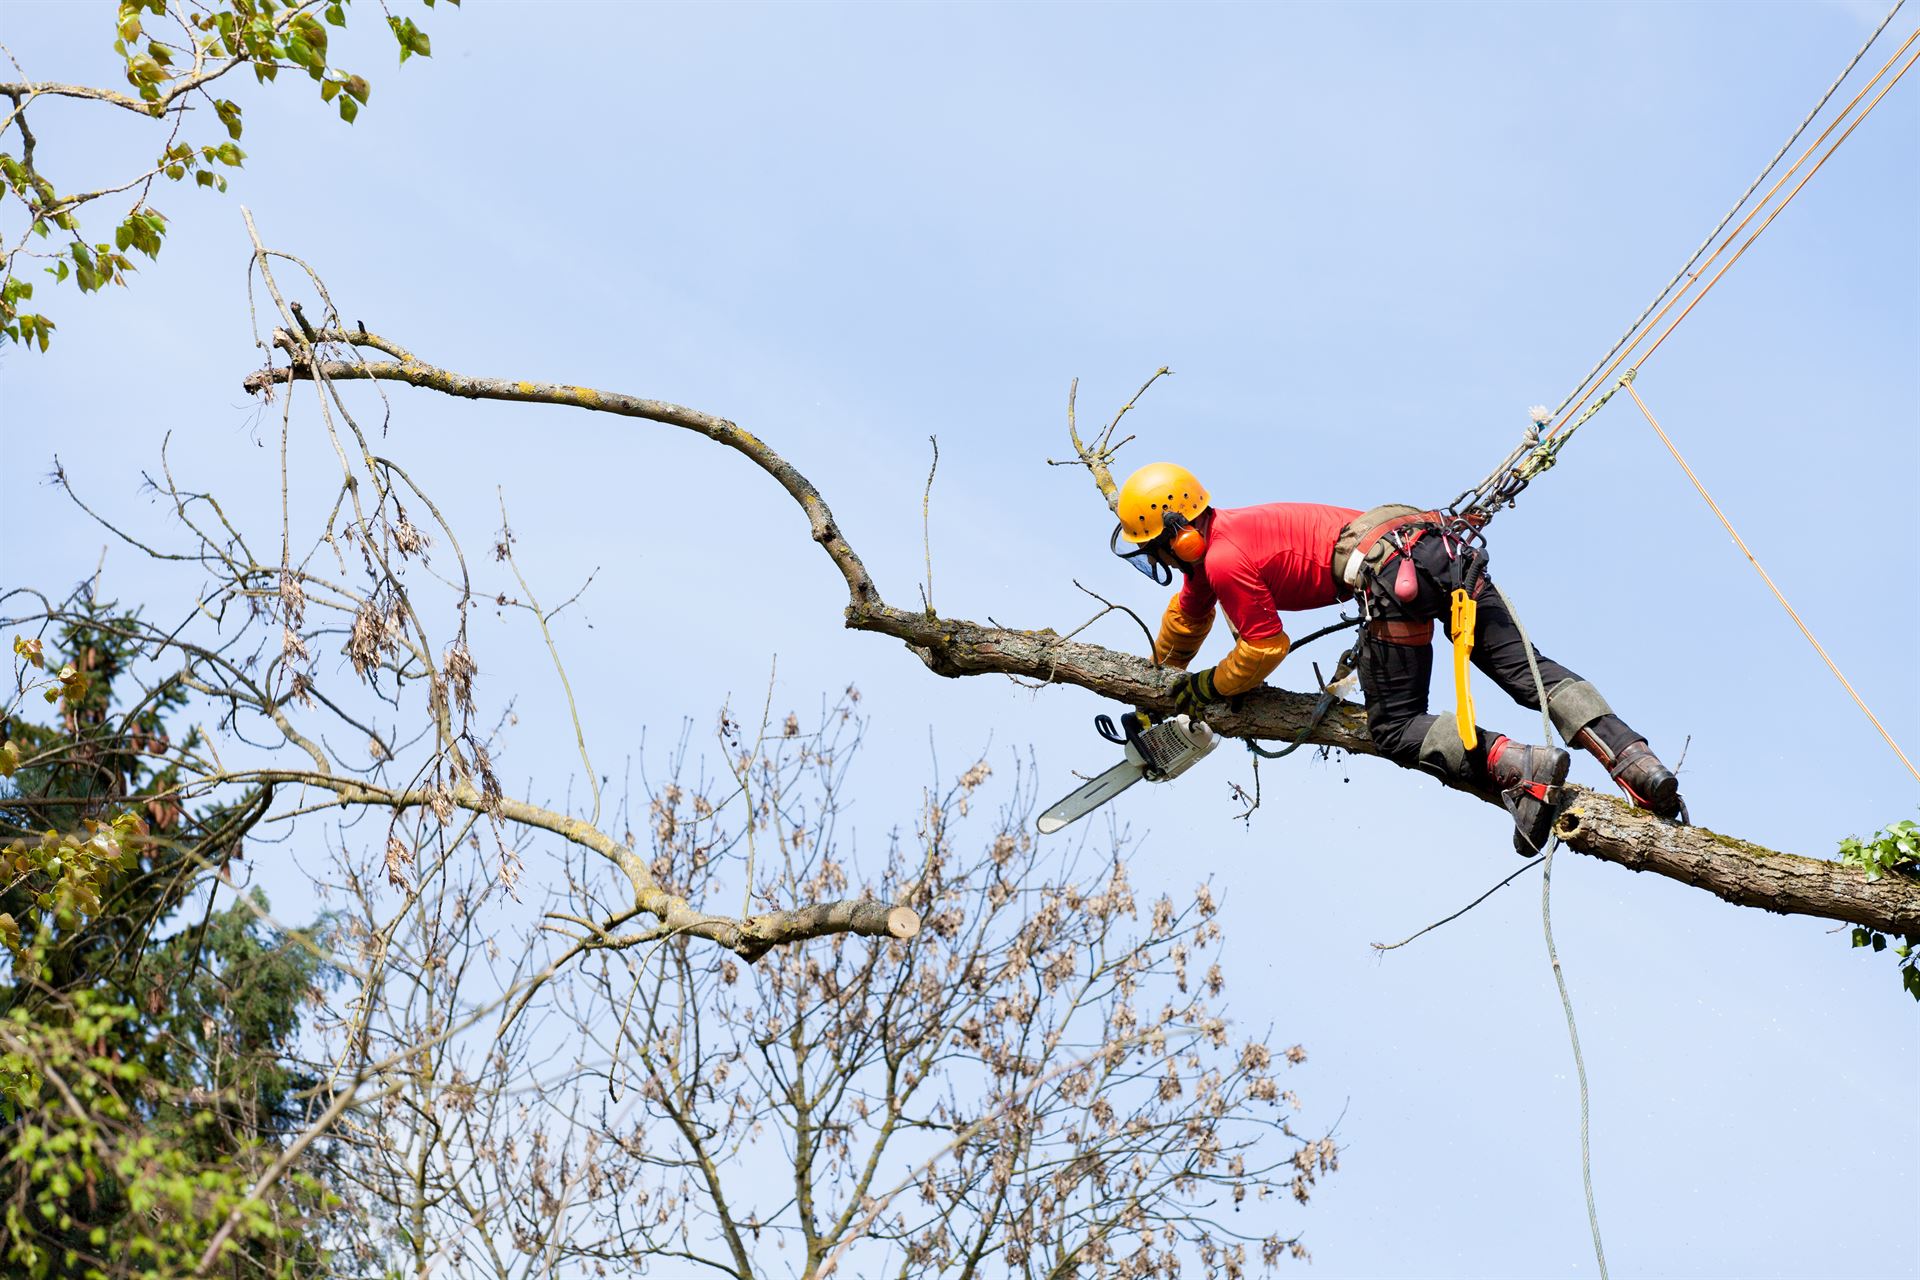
[1245, 599]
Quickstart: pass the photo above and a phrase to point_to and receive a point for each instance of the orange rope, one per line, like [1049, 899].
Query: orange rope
[1764, 576]
[1754, 212]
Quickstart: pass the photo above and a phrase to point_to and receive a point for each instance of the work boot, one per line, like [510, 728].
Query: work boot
[1530, 781]
[1647, 782]
[1639, 773]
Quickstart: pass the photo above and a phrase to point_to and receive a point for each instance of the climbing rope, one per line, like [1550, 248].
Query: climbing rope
[1768, 578]
[1818, 107]
[1540, 448]
[1553, 953]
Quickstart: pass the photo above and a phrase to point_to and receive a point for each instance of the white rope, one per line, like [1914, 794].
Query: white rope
[1553, 954]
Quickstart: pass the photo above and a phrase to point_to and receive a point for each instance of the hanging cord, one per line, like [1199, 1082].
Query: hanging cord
[1553, 954]
[1746, 195]
[1768, 579]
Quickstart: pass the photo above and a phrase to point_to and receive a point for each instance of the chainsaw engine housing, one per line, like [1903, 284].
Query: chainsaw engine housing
[1171, 747]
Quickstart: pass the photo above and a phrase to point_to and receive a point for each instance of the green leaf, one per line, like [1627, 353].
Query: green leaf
[348, 108]
[336, 15]
[1859, 936]
[327, 89]
[229, 114]
[358, 87]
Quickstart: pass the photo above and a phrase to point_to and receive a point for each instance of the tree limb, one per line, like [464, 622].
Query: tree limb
[1597, 825]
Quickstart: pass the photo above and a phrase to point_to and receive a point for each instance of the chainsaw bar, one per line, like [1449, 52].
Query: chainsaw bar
[1160, 752]
[1090, 796]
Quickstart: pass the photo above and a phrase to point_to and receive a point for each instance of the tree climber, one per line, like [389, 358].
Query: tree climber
[1410, 569]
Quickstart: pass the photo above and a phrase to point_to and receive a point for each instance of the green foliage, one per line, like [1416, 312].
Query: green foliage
[145, 1084]
[164, 68]
[1894, 851]
[108, 1174]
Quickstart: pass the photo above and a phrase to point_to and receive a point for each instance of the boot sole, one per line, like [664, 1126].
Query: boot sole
[1562, 763]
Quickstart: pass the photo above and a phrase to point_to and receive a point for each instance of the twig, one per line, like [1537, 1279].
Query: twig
[1251, 801]
[1144, 629]
[926, 531]
[1102, 446]
[553, 651]
[1384, 947]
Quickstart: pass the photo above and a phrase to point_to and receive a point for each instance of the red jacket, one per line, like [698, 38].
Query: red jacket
[1259, 561]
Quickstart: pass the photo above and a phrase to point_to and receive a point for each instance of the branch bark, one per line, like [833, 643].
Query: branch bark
[1597, 825]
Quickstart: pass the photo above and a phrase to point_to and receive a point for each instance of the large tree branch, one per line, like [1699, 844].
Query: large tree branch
[1594, 824]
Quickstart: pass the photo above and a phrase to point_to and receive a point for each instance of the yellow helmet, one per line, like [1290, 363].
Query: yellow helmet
[1151, 491]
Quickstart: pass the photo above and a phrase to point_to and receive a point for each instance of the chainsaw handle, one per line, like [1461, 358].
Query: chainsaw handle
[1104, 726]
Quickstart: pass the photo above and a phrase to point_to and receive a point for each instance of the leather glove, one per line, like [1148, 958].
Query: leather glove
[1194, 691]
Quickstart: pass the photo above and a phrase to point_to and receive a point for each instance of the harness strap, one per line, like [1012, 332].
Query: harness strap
[1362, 535]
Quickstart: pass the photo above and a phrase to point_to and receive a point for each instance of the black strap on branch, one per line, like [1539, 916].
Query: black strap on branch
[1341, 669]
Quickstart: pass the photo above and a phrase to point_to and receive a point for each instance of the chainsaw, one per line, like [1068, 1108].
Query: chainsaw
[1158, 752]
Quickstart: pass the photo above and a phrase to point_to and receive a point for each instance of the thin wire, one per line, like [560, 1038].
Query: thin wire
[1767, 578]
[1818, 107]
[1553, 953]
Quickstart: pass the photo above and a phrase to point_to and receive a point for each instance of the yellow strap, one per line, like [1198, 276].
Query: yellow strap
[1466, 611]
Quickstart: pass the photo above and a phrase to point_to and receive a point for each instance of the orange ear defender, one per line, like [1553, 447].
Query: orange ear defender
[1187, 542]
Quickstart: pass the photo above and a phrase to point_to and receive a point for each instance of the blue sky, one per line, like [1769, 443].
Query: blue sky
[1366, 238]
